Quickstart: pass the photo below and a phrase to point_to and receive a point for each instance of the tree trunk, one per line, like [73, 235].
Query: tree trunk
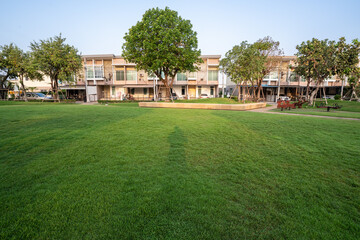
[307, 90]
[55, 89]
[23, 87]
[167, 89]
[239, 89]
[313, 94]
[324, 95]
[342, 89]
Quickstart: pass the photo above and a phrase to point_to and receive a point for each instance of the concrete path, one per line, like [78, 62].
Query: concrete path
[273, 106]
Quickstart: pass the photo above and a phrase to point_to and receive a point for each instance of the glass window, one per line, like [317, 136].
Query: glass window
[273, 75]
[98, 72]
[132, 91]
[199, 91]
[113, 90]
[131, 75]
[211, 91]
[90, 72]
[181, 77]
[293, 77]
[192, 75]
[120, 75]
[183, 90]
[145, 91]
[212, 75]
[152, 76]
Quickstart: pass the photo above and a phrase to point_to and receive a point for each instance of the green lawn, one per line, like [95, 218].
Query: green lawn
[348, 109]
[71, 171]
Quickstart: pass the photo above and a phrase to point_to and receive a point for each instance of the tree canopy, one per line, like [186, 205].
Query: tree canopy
[162, 43]
[316, 59]
[56, 59]
[6, 67]
[249, 63]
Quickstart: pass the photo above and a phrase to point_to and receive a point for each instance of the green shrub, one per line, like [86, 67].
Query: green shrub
[337, 97]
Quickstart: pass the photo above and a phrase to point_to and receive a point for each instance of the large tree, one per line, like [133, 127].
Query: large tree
[317, 57]
[57, 60]
[347, 60]
[162, 43]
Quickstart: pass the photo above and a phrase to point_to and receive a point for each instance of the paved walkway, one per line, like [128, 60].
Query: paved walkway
[273, 106]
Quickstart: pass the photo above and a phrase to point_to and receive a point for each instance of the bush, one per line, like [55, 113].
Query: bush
[337, 97]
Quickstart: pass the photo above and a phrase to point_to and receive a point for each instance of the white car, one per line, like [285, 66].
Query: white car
[36, 96]
[204, 95]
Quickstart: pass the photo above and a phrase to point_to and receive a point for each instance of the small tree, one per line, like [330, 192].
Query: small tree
[316, 61]
[236, 65]
[249, 63]
[268, 59]
[162, 43]
[23, 67]
[6, 67]
[56, 59]
[347, 60]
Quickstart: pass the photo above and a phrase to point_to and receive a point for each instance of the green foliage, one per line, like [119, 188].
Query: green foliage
[162, 43]
[56, 59]
[347, 58]
[6, 65]
[337, 97]
[251, 62]
[316, 59]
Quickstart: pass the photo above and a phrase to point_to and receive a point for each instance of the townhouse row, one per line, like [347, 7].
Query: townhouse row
[110, 77]
[282, 82]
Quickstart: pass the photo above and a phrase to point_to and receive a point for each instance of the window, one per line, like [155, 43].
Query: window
[273, 75]
[132, 91]
[211, 90]
[152, 76]
[212, 75]
[293, 77]
[113, 90]
[181, 77]
[98, 71]
[192, 75]
[183, 90]
[120, 75]
[199, 91]
[331, 79]
[90, 72]
[145, 91]
[131, 75]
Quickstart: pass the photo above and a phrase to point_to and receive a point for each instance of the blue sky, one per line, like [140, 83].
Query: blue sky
[96, 27]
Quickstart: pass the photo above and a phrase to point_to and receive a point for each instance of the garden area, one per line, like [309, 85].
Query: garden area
[123, 172]
[348, 109]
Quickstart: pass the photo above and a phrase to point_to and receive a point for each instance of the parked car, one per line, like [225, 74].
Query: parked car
[204, 95]
[36, 96]
[284, 98]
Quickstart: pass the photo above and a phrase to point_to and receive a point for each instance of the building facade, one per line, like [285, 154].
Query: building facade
[282, 82]
[110, 77]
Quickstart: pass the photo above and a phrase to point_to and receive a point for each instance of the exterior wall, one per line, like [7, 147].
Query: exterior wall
[110, 64]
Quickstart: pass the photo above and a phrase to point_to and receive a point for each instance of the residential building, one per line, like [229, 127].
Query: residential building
[283, 82]
[110, 77]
